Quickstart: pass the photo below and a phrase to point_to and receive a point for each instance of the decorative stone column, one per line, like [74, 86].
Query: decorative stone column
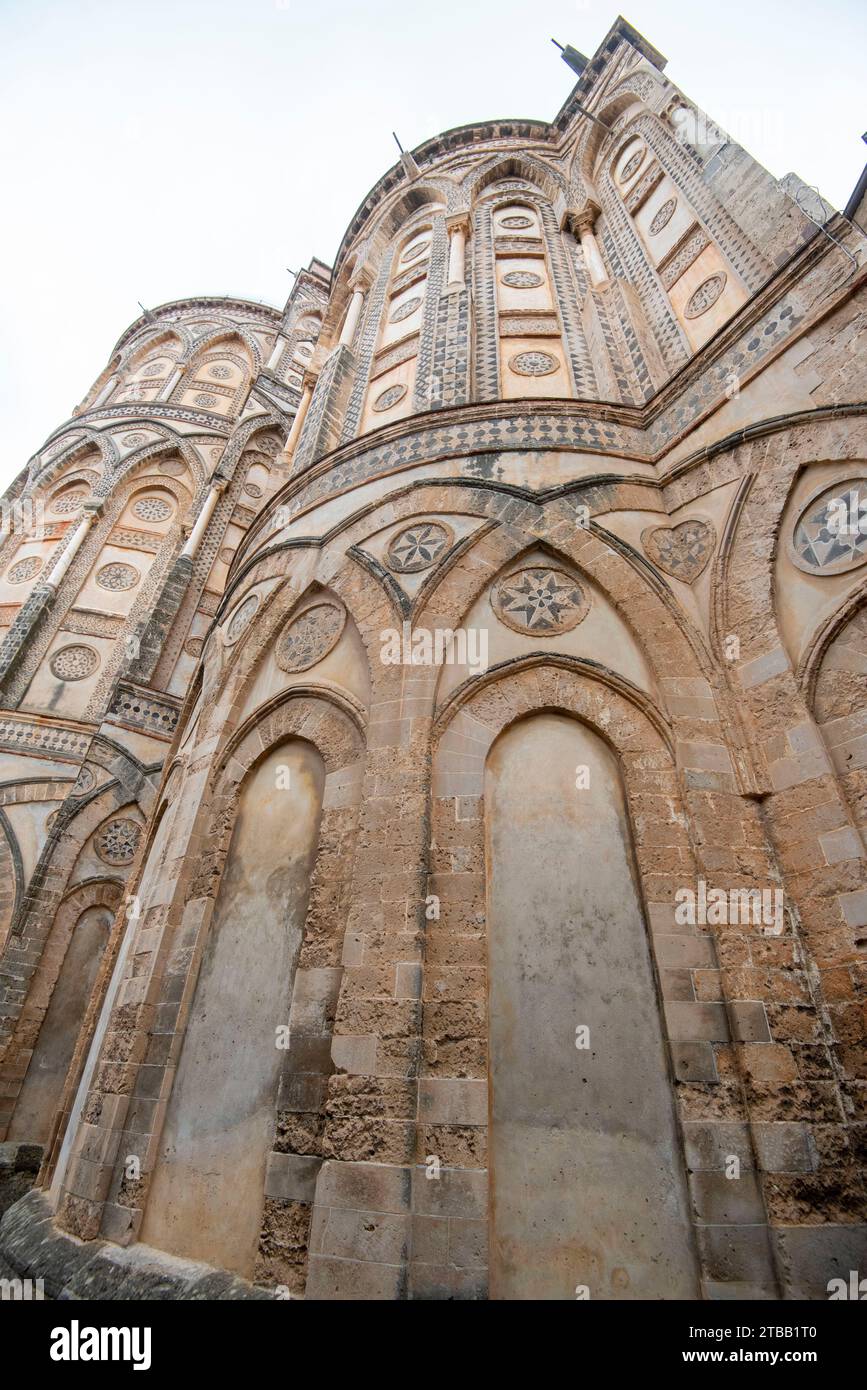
[458, 228]
[298, 422]
[55, 575]
[171, 383]
[190, 550]
[276, 353]
[582, 224]
[353, 314]
[105, 392]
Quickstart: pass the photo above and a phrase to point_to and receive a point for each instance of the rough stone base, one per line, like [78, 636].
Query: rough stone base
[19, 1164]
[33, 1248]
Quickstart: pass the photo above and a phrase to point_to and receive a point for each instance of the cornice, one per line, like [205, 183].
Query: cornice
[200, 303]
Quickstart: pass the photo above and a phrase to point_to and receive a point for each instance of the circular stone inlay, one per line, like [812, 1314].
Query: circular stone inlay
[662, 216]
[830, 535]
[220, 371]
[117, 842]
[69, 502]
[151, 509]
[117, 576]
[404, 310]
[533, 363]
[226, 555]
[541, 600]
[253, 489]
[74, 663]
[705, 296]
[517, 221]
[389, 397]
[24, 569]
[414, 250]
[132, 441]
[241, 618]
[204, 399]
[193, 646]
[521, 279]
[153, 370]
[632, 165]
[309, 637]
[84, 782]
[417, 547]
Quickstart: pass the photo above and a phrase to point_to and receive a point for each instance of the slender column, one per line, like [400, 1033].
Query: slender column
[195, 536]
[353, 314]
[583, 223]
[171, 384]
[55, 576]
[297, 423]
[458, 230]
[105, 392]
[277, 353]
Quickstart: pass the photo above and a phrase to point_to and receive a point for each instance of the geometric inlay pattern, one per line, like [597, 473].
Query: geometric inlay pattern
[417, 547]
[118, 576]
[830, 536]
[414, 250]
[390, 397]
[74, 663]
[541, 600]
[117, 842]
[631, 166]
[663, 216]
[24, 569]
[404, 310]
[681, 551]
[84, 782]
[69, 502]
[309, 637]
[706, 295]
[521, 279]
[515, 222]
[533, 363]
[152, 509]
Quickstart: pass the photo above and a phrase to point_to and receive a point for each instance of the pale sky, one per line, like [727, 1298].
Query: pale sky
[154, 149]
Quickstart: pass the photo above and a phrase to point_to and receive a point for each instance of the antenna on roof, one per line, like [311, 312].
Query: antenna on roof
[147, 313]
[410, 168]
[577, 62]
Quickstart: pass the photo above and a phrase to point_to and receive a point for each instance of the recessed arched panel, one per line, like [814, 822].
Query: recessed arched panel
[43, 1084]
[587, 1186]
[206, 1197]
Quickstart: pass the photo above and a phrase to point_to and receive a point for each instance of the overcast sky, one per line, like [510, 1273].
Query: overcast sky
[153, 150]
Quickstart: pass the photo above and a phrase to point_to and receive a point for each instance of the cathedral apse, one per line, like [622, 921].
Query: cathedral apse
[410, 698]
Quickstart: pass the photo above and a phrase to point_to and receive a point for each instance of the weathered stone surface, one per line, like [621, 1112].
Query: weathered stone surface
[570, 454]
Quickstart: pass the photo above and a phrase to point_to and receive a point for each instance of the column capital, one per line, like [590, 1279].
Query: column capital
[458, 222]
[583, 219]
